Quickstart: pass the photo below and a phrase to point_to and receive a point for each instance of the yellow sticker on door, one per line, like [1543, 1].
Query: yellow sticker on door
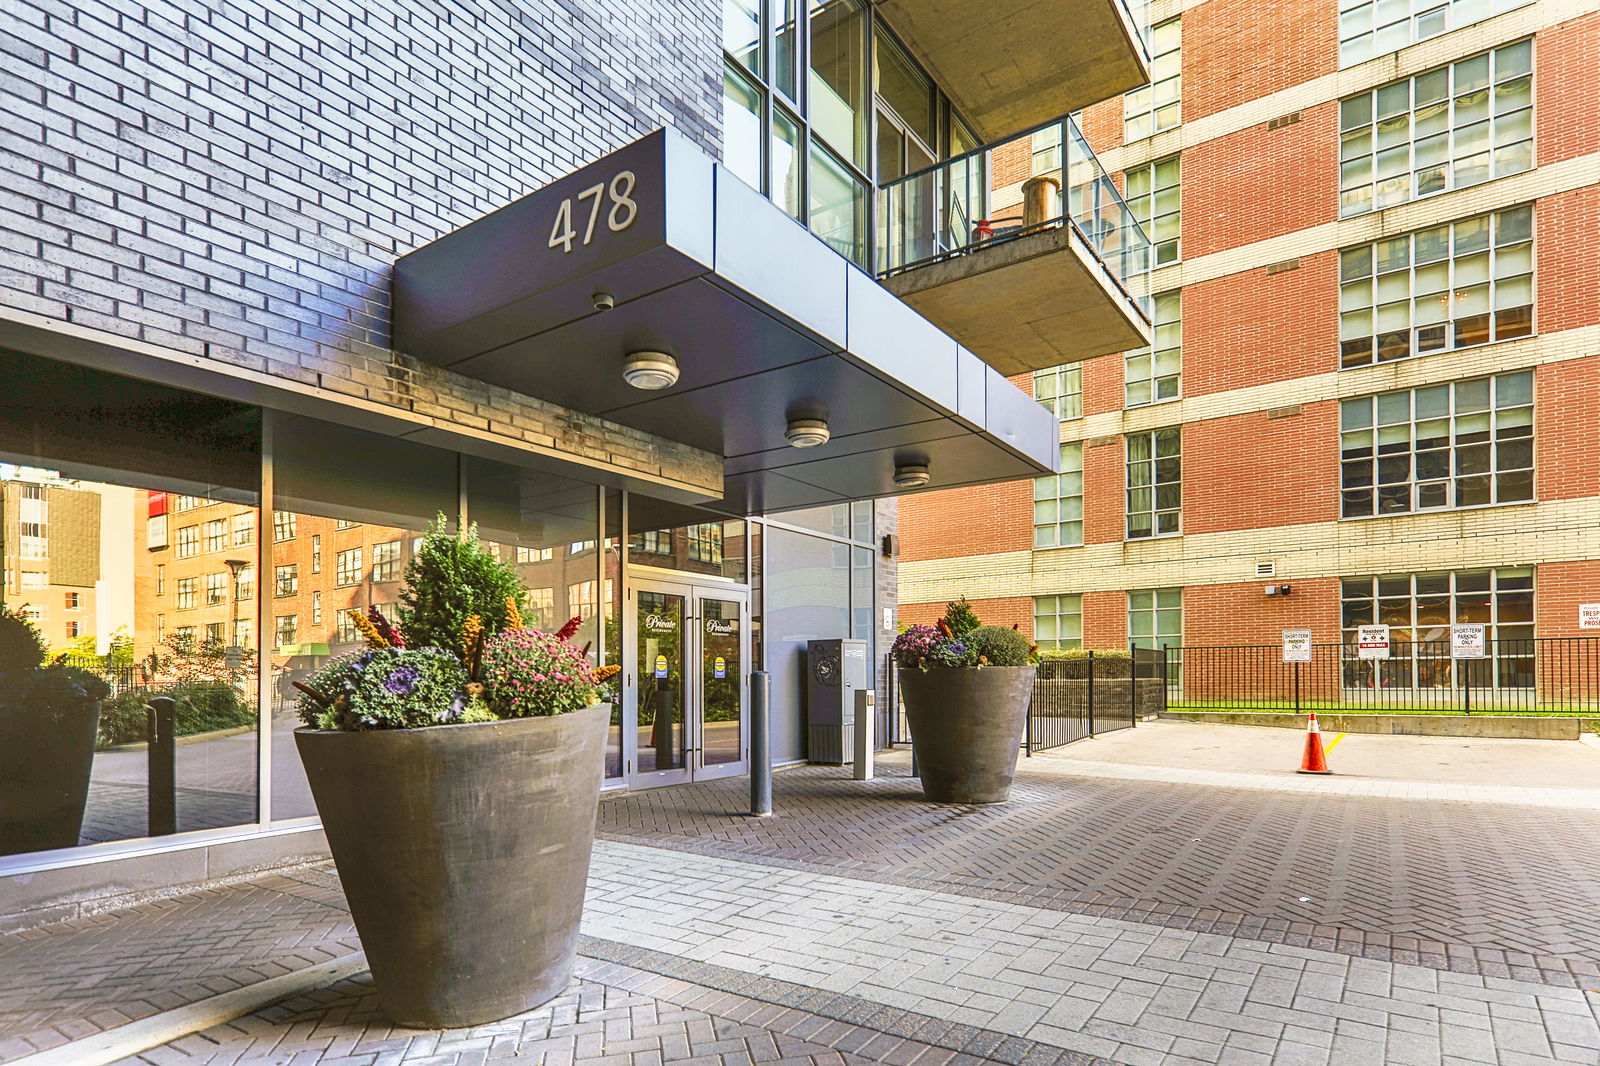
[719, 667]
[661, 666]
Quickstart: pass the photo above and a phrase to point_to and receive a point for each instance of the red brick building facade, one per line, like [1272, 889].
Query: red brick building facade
[1382, 283]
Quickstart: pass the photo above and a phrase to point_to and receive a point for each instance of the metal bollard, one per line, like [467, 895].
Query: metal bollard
[161, 775]
[760, 744]
[866, 719]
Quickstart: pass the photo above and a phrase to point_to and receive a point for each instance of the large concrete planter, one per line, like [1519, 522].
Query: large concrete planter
[464, 853]
[966, 728]
[45, 762]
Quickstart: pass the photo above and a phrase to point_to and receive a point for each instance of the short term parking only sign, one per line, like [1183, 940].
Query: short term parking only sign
[1297, 645]
[1372, 642]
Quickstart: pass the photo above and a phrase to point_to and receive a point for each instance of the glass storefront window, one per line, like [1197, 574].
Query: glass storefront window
[93, 469]
[838, 104]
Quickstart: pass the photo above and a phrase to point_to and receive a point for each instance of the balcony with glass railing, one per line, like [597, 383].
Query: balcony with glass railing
[1010, 66]
[1022, 250]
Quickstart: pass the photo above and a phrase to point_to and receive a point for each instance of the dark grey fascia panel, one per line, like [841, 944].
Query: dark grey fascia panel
[766, 321]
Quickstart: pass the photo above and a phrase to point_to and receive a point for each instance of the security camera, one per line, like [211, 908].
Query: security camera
[603, 301]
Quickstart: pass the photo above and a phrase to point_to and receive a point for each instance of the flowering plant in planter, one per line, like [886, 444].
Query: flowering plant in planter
[959, 640]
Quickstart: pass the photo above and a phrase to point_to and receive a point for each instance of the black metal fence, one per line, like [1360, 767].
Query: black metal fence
[1546, 675]
[1072, 698]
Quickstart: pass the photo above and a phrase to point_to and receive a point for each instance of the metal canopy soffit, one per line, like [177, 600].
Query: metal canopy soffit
[656, 248]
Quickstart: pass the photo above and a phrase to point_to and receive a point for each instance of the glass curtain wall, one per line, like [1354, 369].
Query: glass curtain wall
[817, 100]
[129, 526]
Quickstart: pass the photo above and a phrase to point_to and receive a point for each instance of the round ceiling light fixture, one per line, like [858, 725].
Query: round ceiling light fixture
[807, 432]
[650, 370]
[911, 475]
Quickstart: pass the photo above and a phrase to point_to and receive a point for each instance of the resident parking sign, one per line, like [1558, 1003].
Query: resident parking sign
[1372, 642]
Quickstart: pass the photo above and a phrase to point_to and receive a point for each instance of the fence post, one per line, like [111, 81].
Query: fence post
[161, 774]
[1297, 686]
[1088, 689]
[1466, 684]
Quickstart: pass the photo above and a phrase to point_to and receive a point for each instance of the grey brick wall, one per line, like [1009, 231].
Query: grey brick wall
[233, 180]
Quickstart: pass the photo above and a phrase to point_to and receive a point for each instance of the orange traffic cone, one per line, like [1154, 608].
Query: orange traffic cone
[1314, 762]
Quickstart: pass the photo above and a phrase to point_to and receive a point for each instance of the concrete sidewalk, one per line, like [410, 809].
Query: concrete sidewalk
[862, 925]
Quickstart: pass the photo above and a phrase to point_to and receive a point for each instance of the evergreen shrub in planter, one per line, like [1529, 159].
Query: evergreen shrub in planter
[967, 688]
[456, 765]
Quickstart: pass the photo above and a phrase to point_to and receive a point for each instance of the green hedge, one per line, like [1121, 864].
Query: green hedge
[202, 707]
[1073, 663]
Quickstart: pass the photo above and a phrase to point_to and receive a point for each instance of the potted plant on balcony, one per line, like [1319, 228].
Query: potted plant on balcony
[49, 720]
[457, 782]
[966, 688]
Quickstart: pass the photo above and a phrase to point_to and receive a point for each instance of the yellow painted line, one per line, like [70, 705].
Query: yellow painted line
[1335, 743]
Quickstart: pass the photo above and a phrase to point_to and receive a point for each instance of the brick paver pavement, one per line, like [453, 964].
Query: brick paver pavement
[1092, 921]
[1510, 890]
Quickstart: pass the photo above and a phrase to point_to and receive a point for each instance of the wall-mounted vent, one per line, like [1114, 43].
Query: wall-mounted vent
[1283, 412]
[1283, 120]
[1101, 442]
[1269, 569]
[1283, 267]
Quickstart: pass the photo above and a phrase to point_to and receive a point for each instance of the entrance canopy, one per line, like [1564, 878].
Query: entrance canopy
[656, 248]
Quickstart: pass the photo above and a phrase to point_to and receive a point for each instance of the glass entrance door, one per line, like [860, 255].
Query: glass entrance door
[689, 683]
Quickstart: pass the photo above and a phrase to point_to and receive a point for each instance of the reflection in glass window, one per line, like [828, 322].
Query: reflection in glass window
[787, 171]
[1153, 197]
[1156, 106]
[1419, 610]
[741, 126]
[1371, 28]
[1155, 483]
[838, 104]
[1151, 375]
[1058, 621]
[1452, 286]
[1465, 444]
[90, 462]
[741, 31]
[1155, 618]
[1058, 502]
[838, 206]
[1060, 390]
[1448, 128]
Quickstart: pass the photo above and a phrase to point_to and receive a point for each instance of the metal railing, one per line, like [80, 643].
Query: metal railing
[1041, 179]
[1544, 675]
[1072, 698]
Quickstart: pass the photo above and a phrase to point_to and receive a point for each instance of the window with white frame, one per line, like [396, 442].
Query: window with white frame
[243, 630]
[705, 542]
[1155, 618]
[188, 541]
[347, 567]
[214, 633]
[386, 561]
[1155, 107]
[245, 587]
[1451, 286]
[1419, 610]
[188, 592]
[1060, 389]
[344, 628]
[1463, 444]
[284, 525]
[216, 589]
[316, 553]
[542, 608]
[316, 607]
[286, 579]
[285, 627]
[535, 555]
[244, 528]
[1448, 128]
[216, 535]
[1058, 502]
[74, 630]
[1058, 621]
[1151, 375]
[652, 542]
[1153, 195]
[1155, 483]
[1372, 28]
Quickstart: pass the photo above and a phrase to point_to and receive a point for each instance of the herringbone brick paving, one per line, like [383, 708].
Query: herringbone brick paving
[73, 978]
[1512, 891]
[612, 1016]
